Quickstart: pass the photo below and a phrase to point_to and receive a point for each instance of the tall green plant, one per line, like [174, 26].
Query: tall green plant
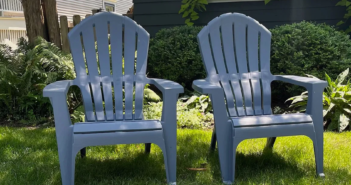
[336, 102]
[24, 73]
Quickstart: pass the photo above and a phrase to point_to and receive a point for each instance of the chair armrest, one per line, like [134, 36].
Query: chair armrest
[167, 85]
[57, 88]
[170, 92]
[315, 88]
[301, 81]
[206, 87]
[57, 92]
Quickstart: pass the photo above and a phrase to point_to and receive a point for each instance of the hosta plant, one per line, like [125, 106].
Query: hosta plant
[336, 102]
[198, 101]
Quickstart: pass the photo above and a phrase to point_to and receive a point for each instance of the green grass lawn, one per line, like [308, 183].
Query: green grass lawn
[29, 156]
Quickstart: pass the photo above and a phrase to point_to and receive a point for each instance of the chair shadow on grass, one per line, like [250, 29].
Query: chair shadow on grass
[137, 167]
[34, 152]
[250, 167]
[142, 167]
[270, 167]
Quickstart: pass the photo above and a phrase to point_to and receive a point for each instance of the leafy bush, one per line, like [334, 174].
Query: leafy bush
[186, 118]
[336, 102]
[307, 48]
[174, 55]
[24, 73]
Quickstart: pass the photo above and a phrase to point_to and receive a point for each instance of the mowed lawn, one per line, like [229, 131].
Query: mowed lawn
[29, 156]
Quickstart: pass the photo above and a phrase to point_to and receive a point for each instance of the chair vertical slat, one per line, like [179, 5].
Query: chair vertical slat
[90, 55]
[240, 47]
[116, 27]
[204, 44]
[265, 50]
[220, 64]
[129, 63]
[104, 62]
[82, 79]
[228, 47]
[252, 45]
[141, 62]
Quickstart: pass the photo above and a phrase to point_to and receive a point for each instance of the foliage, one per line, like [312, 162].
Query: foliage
[336, 102]
[307, 48]
[174, 55]
[186, 117]
[189, 8]
[347, 15]
[24, 73]
[198, 101]
[150, 95]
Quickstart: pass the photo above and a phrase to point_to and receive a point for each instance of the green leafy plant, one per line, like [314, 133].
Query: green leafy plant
[347, 15]
[150, 95]
[174, 55]
[336, 102]
[24, 73]
[307, 48]
[186, 118]
[189, 9]
[198, 101]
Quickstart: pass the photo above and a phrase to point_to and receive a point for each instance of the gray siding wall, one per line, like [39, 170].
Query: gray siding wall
[76, 7]
[154, 15]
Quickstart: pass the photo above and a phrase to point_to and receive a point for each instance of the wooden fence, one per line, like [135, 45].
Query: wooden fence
[65, 27]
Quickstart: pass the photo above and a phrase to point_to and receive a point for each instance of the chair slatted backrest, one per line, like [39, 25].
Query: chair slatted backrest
[236, 51]
[99, 72]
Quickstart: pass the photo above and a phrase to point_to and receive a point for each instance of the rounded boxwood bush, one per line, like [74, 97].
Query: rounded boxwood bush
[174, 55]
[307, 48]
[297, 49]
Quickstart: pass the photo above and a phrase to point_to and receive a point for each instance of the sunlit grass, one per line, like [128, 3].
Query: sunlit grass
[29, 156]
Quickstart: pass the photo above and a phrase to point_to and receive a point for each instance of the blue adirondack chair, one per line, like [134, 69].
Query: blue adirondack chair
[112, 123]
[236, 53]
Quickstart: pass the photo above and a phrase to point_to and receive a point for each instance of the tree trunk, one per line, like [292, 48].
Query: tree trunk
[51, 19]
[34, 18]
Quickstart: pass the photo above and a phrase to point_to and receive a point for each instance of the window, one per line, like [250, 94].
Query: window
[229, 1]
[109, 7]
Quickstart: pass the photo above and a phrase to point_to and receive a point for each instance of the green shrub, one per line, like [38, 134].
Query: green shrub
[336, 102]
[174, 55]
[307, 48]
[24, 73]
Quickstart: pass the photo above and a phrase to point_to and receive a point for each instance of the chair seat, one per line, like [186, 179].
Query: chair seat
[116, 126]
[264, 120]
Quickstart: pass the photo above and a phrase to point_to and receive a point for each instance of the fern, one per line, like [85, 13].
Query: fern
[24, 73]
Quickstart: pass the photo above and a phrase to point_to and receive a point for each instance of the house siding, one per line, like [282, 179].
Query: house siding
[154, 15]
[76, 7]
[123, 6]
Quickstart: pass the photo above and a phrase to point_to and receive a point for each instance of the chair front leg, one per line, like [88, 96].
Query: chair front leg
[169, 126]
[223, 130]
[315, 109]
[64, 137]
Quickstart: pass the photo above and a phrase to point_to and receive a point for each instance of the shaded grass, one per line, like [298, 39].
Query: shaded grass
[29, 156]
